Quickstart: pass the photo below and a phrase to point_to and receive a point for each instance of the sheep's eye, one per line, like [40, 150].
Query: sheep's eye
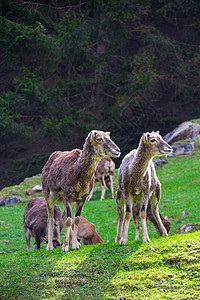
[153, 141]
[99, 140]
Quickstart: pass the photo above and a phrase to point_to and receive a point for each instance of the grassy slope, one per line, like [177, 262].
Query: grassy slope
[167, 268]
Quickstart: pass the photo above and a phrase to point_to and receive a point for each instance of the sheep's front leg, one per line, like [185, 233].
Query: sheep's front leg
[27, 234]
[120, 215]
[143, 216]
[112, 186]
[50, 212]
[67, 226]
[37, 242]
[67, 222]
[91, 194]
[154, 208]
[128, 209]
[75, 243]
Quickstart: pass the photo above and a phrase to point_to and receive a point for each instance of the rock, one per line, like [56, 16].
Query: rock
[10, 201]
[186, 130]
[186, 148]
[159, 161]
[187, 228]
[34, 190]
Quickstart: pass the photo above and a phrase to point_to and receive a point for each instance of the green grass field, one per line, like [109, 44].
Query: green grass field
[165, 268]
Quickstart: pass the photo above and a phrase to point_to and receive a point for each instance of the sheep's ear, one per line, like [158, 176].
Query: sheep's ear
[108, 133]
[144, 137]
[92, 135]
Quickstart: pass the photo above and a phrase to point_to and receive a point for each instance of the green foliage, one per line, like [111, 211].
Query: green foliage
[6, 112]
[178, 6]
[123, 66]
[31, 165]
[9, 117]
[73, 123]
[30, 88]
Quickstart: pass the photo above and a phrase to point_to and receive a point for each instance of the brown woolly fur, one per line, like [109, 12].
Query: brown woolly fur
[138, 183]
[69, 174]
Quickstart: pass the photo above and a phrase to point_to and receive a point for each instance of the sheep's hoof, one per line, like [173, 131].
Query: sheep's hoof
[164, 233]
[76, 246]
[146, 239]
[65, 249]
[123, 242]
[49, 247]
[117, 239]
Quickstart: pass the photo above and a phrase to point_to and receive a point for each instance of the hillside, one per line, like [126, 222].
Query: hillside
[121, 66]
[165, 268]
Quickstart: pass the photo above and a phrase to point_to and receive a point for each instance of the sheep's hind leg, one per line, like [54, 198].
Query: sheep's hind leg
[154, 208]
[143, 213]
[136, 218]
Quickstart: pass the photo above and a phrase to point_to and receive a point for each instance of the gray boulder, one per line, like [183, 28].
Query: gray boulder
[10, 201]
[186, 130]
[180, 149]
[160, 161]
[186, 228]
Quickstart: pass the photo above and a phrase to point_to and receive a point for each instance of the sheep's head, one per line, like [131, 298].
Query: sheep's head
[103, 145]
[155, 145]
[56, 243]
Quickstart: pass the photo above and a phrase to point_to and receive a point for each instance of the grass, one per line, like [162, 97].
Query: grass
[165, 268]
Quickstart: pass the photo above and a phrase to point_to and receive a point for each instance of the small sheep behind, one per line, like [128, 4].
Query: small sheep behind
[35, 223]
[87, 233]
[104, 173]
[150, 217]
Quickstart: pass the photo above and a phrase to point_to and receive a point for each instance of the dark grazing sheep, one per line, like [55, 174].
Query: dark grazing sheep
[35, 223]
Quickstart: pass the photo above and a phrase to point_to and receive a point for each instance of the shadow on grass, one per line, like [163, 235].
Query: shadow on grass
[90, 278]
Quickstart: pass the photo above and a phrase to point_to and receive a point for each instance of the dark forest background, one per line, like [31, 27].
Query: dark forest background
[67, 67]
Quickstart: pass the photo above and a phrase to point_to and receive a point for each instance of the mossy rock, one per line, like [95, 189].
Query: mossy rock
[186, 228]
[186, 130]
